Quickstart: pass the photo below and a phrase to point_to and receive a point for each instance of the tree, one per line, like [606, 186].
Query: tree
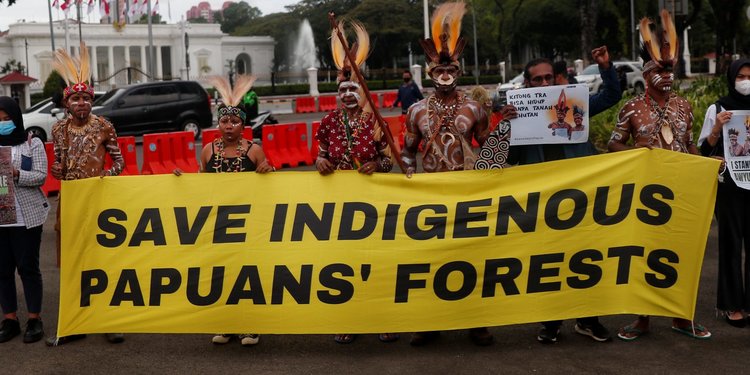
[728, 14]
[236, 15]
[156, 18]
[54, 84]
[588, 11]
[11, 65]
[10, 2]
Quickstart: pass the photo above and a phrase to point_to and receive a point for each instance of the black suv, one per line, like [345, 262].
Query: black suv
[156, 106]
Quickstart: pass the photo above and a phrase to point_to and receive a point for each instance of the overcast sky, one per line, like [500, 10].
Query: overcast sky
[171, 10]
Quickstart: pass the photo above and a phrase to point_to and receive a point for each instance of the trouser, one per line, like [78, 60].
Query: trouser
[553, 324]
[19, 250]
[734, 233]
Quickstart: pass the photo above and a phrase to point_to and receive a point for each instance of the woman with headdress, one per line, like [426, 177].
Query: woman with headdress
[732, 202]
[20, 241]
[348, 138]
[232, 153]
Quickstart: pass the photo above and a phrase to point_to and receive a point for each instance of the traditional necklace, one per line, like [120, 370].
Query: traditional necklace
[446, 113]
[351, 130]
[233, 165]
[660, 115]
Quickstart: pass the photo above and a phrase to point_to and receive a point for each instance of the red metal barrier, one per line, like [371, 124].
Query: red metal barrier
[327, 103]
[209, 135]
[396, 124]
[389, 98]
[183, 151]
[306, 104]
[127, 148]
[51, 184]
[271, 145]
[375, 99]
[296, 138]
[152, 157]
[314, 143]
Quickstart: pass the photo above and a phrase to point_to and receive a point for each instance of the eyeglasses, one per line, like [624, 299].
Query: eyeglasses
[541, 79]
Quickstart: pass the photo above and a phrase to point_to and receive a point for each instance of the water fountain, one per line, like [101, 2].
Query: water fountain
[304, 56]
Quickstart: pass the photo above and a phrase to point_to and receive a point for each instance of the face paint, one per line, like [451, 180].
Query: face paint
[662, 82]
[349, 94]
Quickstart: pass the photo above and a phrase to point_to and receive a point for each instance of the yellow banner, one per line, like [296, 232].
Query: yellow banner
[295, 252]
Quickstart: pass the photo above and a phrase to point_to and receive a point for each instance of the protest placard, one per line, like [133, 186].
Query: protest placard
[550, 115]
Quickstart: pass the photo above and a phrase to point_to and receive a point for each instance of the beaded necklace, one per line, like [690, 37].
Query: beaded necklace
[351, 130]
[446, 113]
[660, 115]
[233, 165]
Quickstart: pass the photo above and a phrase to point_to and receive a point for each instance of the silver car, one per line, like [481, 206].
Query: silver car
[632, 70]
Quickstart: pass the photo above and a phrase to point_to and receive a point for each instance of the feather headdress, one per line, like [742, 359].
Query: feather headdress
[562, 103]
[360, 49]
[659, 52]
[232, 96]
[446, 43]
[75, 70]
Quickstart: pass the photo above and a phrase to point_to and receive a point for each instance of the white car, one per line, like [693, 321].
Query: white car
[38, 120]
[632, 69]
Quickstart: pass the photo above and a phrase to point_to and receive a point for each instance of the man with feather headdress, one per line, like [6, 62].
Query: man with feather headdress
[81, 141]
[447, 121]
[348, 137]
[658, 118]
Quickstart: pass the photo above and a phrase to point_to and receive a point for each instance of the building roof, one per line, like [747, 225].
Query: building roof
[15, 77]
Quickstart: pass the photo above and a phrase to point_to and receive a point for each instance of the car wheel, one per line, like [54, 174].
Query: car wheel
[191, 125]
[37, 133]
[638, 88]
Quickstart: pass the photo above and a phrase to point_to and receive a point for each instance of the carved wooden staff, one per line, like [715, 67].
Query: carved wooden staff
[383, 126]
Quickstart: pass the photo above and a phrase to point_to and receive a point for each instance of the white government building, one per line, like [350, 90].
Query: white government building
[112, 51]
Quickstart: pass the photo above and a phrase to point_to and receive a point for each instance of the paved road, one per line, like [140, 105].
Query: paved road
[515, 351]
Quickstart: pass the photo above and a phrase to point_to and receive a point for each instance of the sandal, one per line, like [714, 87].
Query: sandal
[630, 332]
[696, 331]
[388, 337]
[344, 338]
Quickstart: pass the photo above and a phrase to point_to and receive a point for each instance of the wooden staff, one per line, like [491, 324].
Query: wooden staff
[383, 126]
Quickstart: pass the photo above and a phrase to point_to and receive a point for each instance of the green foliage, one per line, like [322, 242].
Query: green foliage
[236, 15]
[10, 66]
[701, 93]
[53, 84]
[37, 97]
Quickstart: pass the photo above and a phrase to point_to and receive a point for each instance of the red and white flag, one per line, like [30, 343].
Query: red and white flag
[104, 7]
[65, 6]
[56, 4]
[155, 8]
[90, 7]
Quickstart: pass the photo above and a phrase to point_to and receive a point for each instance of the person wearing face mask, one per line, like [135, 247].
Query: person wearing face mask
[348, 137]
[658, 118]
[20, 241]
[408, 93]
[732, 202]
[81, 141]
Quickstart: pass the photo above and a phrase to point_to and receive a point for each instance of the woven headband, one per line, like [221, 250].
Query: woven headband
[77, 88]
[232, 111]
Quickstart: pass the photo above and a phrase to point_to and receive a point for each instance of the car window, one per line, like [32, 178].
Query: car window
[517, 79]
[106, 98]
[190, 92]
[39, 105]
[163, 94]
[591, 69]
[135, 98]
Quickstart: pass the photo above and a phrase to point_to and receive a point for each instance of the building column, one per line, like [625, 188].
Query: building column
[26, 96]
[111, 64]
[144, 64]
[159, 70]
[127, 63]
[94, 64]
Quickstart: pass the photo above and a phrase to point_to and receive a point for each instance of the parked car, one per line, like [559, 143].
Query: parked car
[499, 97]
[38, 119]
[632, 70]
[156, 107]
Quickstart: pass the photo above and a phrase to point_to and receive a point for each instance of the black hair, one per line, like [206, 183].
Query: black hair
[560, 67]
[18, 136]
[533, 63]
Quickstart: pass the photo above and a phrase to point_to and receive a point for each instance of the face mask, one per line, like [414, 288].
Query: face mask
[743, 87]
[407, 80]
[7, 127]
